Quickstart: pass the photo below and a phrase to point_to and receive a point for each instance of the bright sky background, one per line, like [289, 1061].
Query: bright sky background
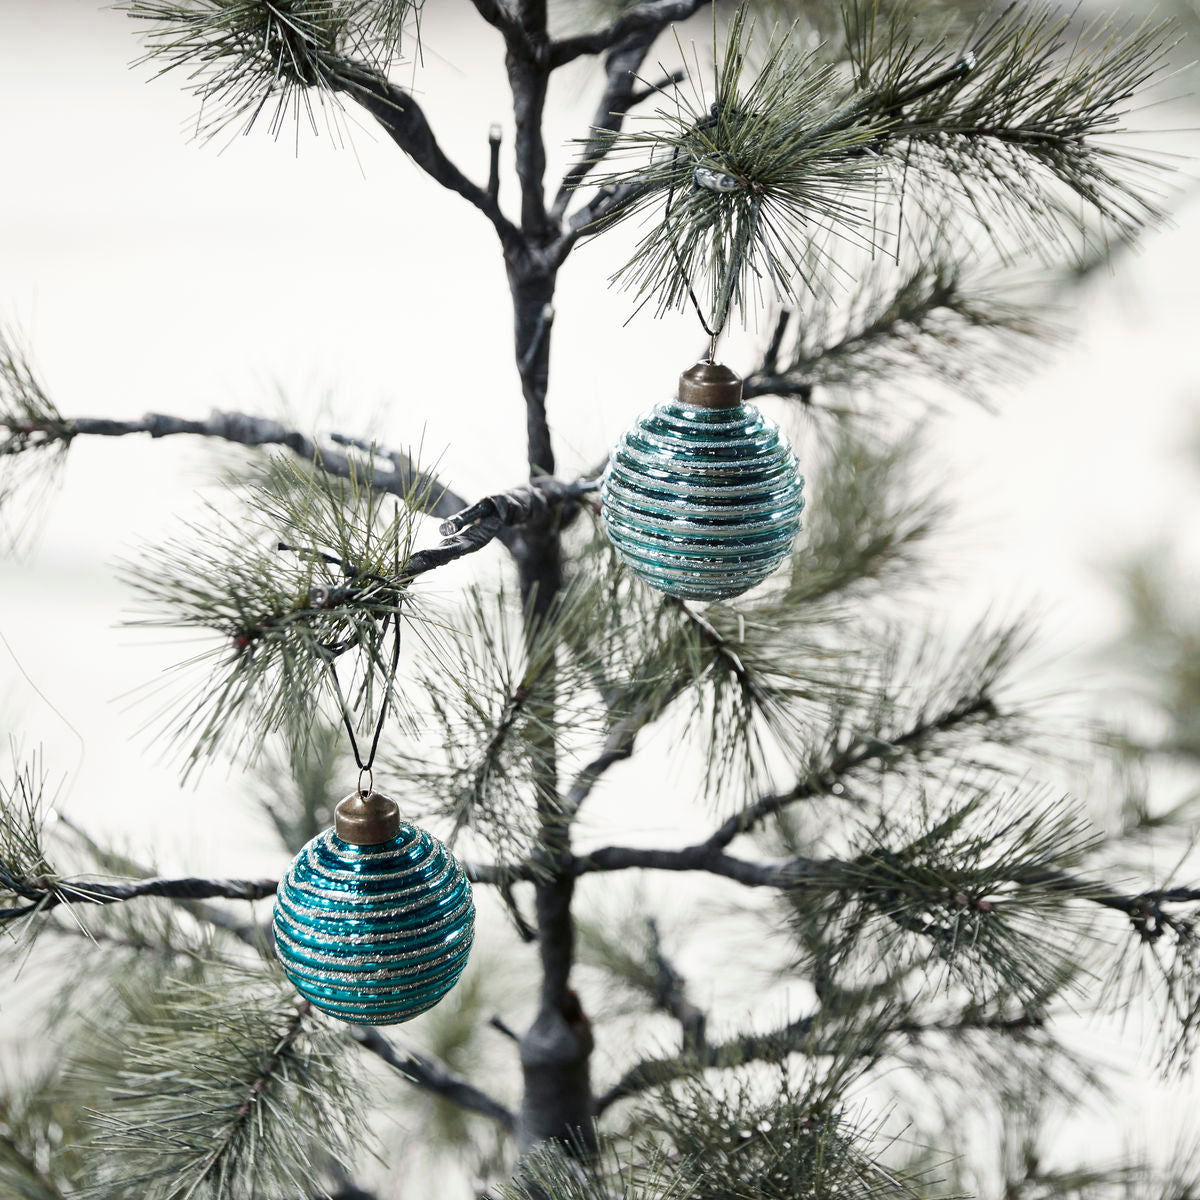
[152, 273]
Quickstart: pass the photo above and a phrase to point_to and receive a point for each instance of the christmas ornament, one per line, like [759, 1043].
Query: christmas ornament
[702, 497]
[374, 920]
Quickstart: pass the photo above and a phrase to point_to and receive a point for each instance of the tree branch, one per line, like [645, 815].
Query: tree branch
[790, 873]
[45, 894]
[750, 1047]
[406, 124]
[433, 1076]
[648, 19]
[792, 1038]
[244, 430]
[861, 751]
[671, 995]
[621, 68]
[618, 746]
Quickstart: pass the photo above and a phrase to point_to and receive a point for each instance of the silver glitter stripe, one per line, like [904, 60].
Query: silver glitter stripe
[700, 554]
[699, 418]
[363, 911]
[648, 519]
[428, 954]
[363, 900]
[390, 981]
[722, 477]
[294, 911]
[748, 442]
[322, 868]
[689, 491]
[405, 1008]
[387, 850]
[714, 467]
[329, 839]
[637, 489]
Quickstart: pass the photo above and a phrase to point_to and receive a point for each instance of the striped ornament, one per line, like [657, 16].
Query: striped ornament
[374, 934]
[702, 503]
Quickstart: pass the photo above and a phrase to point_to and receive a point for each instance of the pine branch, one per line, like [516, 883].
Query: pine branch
[226, 1086]
[46, 894]
[735, 1052]
[401, 478]
[671, 996]
[1009, 136]
[928, 321]
[269, 1075]
[426, 1073]
[860, 751]
[799, 1036]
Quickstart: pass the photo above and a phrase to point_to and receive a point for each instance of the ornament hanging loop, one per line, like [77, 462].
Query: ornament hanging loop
[362, 791]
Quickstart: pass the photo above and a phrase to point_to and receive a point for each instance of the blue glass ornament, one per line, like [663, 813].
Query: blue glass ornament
[374, 920]
[702, 497]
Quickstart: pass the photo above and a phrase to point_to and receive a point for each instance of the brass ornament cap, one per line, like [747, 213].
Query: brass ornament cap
[710, 385]
[366, 819]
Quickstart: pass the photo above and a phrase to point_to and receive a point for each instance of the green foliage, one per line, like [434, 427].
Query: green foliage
[873, 523]
[229, 1088]
[766, 188]
[491, 691]
[34, 437]
[1163, 640]
[302, 781]
[285, 614]
[966, 887]
[792, 1140]
[552, 1172]
[741, 179]
[247, 58]
[38, 1159]
[929, 318]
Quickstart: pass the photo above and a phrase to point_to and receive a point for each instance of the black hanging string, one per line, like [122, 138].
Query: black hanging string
[725, 294]
[365, 767]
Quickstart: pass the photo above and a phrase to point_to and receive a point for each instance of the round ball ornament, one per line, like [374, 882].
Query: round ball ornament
[702, 497]
[374, 920]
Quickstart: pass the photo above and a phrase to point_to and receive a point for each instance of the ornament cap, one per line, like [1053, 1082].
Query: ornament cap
[367, 818]
[710, 385]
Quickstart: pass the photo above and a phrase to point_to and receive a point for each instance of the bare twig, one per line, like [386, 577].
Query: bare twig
[497, 1022]
[621, 68]
[406, 124]
[672, 997]
[245, 430]
[431, 1075]
[649, 18]
[618, 746]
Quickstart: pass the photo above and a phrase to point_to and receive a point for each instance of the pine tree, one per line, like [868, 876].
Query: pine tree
[864, 182]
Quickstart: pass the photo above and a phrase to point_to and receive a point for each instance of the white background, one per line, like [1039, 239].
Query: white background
[150, 273]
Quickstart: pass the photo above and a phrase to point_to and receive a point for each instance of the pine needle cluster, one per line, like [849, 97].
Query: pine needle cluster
[246, 59]
[228, 1088]
[761, 193]
[322, 584]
